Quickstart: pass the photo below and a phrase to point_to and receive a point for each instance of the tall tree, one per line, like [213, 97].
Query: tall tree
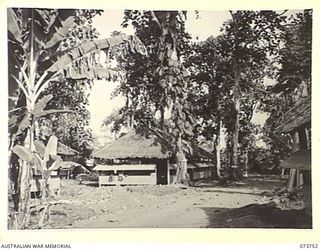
[254, 39]
[230, 70]
[161, 79]
[210, 92]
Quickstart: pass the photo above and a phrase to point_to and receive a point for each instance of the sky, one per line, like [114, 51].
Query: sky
[101, 103]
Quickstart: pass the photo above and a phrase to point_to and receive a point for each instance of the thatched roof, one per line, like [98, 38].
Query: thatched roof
[151, 145]
[61, 150]
[69, 165]
[199, 152]
[135, 145]
[299, 115]
[192, 165]
[152, 167]
[66, 150]
[298, 160]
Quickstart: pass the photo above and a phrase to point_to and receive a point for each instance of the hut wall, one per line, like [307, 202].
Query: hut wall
[201, 174]
[128, 180]
[147, 174]
[194, 174]
[133, 174]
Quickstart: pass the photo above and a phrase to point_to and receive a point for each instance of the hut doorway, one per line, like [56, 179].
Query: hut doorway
[162, 172]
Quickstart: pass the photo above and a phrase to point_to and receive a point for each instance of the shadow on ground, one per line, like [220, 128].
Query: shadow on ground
[263, 182]
[257, 216]
[90, 184]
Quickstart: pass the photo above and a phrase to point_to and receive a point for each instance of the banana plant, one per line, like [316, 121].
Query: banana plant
[45, 160]
[37, 57]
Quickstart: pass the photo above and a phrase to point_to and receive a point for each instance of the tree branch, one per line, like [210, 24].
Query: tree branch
[155, 19]
[257, 35]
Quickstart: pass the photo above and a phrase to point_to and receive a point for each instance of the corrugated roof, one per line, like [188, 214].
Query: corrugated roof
[299, 115]
[298, 160]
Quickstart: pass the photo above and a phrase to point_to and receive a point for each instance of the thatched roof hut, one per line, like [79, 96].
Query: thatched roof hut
[298, 116]
[297, 122]
[299, 160]
[135, 145]
[149, 145]
[147, 157]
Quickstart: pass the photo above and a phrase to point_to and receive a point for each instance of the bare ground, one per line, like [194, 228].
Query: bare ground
[245, 204]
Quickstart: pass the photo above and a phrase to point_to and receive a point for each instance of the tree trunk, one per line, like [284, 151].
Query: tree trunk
[21, 220]
[217, 146]
[15, 171]
[22, 196]
[234, 168]
[246, 162]
[128, 115]
[161, 117]
[182, 171]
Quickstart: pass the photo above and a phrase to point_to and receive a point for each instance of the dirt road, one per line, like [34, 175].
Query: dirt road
[88, 206]
[186, 208]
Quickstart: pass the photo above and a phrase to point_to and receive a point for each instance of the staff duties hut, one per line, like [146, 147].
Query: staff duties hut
[147, 158]
[297, 122]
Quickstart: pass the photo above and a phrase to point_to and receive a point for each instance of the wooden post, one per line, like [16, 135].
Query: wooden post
[307, 137]
[303, 144]
[298, 180]
[292, 177]
[296, 141]
[305, 176]
[303, 139]
[168, 172]
[295, 148]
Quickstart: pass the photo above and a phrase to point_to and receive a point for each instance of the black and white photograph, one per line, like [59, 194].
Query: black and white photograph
[154, 118]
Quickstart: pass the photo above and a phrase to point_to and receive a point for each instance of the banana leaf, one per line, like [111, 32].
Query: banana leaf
[23, 152]
[51, 148]
[42, 103]
[93, 73]
[25, 122]
[59, 27]
[50, 112]
[90, 46]
[13, 27]
[40, 147]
